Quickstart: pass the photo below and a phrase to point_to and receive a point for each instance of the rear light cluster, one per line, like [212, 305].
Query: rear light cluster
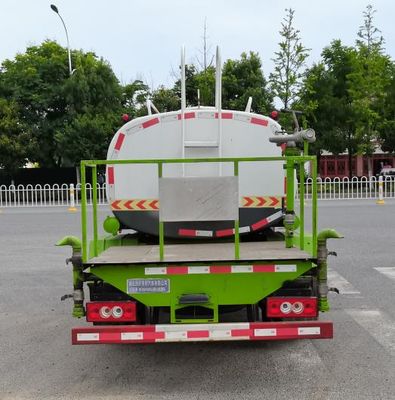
[291, 307]
[111, 311]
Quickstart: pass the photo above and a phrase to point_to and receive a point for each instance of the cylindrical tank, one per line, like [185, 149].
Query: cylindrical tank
[202, 132]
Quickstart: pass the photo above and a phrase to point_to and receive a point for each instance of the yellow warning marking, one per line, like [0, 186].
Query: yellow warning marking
[135, 205]
[261, 201]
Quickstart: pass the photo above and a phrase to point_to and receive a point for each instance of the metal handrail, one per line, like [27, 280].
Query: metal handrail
[290, 161]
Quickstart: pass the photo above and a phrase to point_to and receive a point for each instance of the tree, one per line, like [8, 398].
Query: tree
[50, 102]
[244, 78]
[14, 141]
[386, 124]
[369, 35]
[134, 97]
[327, 102]
[289, 61]
[368, 82]
[165, 99]
[206, 57]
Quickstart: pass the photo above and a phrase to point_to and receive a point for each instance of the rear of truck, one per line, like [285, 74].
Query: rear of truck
[268, 285]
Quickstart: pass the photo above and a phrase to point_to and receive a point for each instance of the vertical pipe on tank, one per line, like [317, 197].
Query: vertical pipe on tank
[218, 102]
[183, 104]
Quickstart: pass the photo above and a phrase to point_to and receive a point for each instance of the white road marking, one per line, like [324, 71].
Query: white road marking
[379, 325]
[389, 272]
[344, 286]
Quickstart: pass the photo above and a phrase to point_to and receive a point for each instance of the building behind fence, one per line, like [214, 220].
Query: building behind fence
[59, 195]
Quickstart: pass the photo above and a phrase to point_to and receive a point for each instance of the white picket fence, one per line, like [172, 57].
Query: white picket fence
[59, 195]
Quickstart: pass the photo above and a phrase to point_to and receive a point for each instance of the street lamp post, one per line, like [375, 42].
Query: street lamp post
[55, 9]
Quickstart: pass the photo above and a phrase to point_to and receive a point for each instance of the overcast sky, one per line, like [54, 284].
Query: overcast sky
[142, 39]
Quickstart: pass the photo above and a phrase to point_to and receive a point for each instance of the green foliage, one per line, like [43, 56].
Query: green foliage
[369, 35]
[50, 101]
[368, 82]
[14, 141]
[87, 135]
[54, 119]
[244, 78]
[327, 102]
[204, 81]
[286, 79]
[165, 99]
[386, 123]
[350, 96]
[134, 97]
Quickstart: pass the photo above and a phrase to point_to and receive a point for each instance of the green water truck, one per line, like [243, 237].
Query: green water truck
[205, 245]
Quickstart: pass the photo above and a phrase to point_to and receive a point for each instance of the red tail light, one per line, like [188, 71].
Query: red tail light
[291, 307]
[111, 311]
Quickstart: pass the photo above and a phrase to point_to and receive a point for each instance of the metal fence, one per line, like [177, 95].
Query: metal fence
[348, 189]
[47, 195]
[60, 195]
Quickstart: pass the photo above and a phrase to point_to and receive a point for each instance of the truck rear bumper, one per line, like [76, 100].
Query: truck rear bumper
[202, 332]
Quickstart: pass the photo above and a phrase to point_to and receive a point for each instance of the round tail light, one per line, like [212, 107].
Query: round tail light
[297, 307]
[286, 307]
[105, 312]
[117, 312]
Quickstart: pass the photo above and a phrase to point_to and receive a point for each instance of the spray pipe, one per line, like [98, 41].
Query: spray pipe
[322, 264]
[78, 279]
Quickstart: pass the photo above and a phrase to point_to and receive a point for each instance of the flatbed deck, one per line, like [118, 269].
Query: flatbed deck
[200, 252]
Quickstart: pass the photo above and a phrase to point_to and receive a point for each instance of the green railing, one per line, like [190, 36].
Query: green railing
[291, 164]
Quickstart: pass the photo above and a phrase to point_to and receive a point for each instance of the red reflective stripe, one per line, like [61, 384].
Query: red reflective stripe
[240, 332]
[150, 122]
[110, 175]
[113, 336]
[177, 270]
[224, 232]
[153, 335]
[119, 141]
[197, 334]
[263, 268]
[187, 232]
[287, 331]
[189, 115]
[225, 115]
[259, 224]
[220, 269]
[259, 121]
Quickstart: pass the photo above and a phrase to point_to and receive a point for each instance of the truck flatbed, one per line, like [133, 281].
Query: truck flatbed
[200, 252]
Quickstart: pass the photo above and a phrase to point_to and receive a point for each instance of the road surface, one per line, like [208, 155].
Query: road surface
[38, 362]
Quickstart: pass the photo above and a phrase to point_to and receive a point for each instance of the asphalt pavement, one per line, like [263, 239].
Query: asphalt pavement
[37, 360]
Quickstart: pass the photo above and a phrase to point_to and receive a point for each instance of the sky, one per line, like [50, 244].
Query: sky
[142, 39]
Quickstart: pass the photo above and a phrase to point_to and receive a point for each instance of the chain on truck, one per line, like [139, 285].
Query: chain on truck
[206, 240]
